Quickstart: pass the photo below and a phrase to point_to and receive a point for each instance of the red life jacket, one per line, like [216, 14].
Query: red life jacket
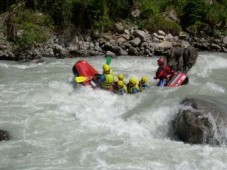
[164, 71]
[161, 73]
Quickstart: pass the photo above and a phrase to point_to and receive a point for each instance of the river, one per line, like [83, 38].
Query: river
[56, 125]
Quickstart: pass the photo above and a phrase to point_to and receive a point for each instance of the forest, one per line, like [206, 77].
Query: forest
[38, 18]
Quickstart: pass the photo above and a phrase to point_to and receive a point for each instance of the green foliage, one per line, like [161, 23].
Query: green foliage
[35, 28]
[194, 11]
[6, 4]
[99, 13]
[160, 23]
[200, 16]
[214, 18]
[148, 8]
[196, 15]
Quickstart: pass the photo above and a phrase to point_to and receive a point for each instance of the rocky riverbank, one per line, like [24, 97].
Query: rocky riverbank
[121, 41]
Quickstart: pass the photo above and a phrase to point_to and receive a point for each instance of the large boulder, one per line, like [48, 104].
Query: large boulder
[201, 120]
[182, 59]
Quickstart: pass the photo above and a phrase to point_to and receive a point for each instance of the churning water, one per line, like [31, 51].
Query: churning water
[56, 125]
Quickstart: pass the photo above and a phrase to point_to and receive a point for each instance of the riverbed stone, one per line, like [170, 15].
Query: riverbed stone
[201, 120]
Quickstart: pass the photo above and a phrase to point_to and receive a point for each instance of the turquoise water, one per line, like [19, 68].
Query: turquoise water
[56, 125]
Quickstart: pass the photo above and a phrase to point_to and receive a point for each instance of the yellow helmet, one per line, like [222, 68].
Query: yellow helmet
[121, 77]
[133, 81]
[106, 68]
[144, 79]
[120, 83]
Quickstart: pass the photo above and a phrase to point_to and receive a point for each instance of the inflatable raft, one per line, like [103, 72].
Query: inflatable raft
[179, 79]
[83, 69]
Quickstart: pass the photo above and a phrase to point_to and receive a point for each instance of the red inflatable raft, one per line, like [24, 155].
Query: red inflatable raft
[179, 79]
[83, 68]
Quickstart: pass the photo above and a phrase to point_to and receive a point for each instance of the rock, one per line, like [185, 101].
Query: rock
[161, 37]
[126, 36]
[183, 35]
[4, 135]
[160, 32]
[3, 47]
[201, 120]
[127, 32]
[172, 15]
[135, 42]
[156, 40]
[155, 35]
[140, 34]
[135, 13]
[121, 40]
[123, 52]
[225, 40]
[145, 45]
[109, 53]
[185, 43]
[119, 27]
[215, 46]
[133, 51]
[127, 45]
[164, 45]
[190, 56]
[97, 48]
[107, 36]
[116, 50]
[169, 37]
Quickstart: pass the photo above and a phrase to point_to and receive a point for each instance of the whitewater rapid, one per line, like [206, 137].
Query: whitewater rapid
[56, 125]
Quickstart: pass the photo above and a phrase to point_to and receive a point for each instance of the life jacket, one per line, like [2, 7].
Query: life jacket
[142, 86]
[109, 80]
[122, 90]
[131, 88]
[164, 71]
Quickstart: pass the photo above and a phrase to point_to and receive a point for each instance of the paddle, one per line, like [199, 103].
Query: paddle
[108, 60]
[80, 79]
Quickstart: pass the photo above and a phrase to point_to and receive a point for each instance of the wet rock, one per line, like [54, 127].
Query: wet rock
[201, 121]
[182, 59]
[4, 135]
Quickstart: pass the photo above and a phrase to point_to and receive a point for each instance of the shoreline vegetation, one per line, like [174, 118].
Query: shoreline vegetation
[30, 29]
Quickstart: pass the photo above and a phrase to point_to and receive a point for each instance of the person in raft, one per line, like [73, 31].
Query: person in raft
[143, 83]
[164, 72]
[105, 80]
[120, 78]
[121, 88]
[132, 86]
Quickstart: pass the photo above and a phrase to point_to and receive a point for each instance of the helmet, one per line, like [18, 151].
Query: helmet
[133, 81]
[121, 77]
[106, 68]
[120, 83]
[144, 79]
[161, 61]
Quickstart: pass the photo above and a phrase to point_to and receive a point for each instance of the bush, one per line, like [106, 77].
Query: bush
[35, 28]
[160, 23]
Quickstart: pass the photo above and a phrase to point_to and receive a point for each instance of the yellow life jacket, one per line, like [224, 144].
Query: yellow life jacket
[125, 88]
[130, 88]
[109, 80]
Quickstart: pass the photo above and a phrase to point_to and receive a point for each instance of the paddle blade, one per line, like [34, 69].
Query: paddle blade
[108, 60]
[80, 79]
